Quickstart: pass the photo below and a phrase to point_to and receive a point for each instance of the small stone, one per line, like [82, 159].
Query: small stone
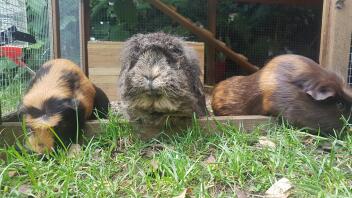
[265, 142]
[12, 173]
[25, 189]
[280, 189]
[210, 160]
[183, 194]
[154, 164]
[74, 150]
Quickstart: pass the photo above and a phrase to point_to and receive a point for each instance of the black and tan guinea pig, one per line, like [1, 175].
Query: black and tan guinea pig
[58, 95]
[292, 86]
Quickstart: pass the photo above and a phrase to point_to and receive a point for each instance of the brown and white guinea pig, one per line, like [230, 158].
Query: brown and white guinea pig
[291, 86]
[159, 82]
[58, 93]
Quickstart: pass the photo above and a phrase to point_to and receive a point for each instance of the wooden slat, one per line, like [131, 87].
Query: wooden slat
[84, 33]
[104, 64]
[10, 131]
[336, 36]
[110, 90]
[103, 71]
[55, 17]
[248, 123]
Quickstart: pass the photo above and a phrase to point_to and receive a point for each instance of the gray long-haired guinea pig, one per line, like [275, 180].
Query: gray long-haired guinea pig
[289, 85]
[160, 82]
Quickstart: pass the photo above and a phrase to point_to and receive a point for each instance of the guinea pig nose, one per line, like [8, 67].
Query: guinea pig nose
[150, 84]
[151, 77]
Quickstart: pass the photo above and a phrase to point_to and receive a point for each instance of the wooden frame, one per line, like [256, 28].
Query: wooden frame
[336, 35]
[56, 28]
[84, 34]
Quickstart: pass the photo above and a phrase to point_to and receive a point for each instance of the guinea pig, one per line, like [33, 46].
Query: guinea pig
[291, 86]
[60, 98]
[160, 83]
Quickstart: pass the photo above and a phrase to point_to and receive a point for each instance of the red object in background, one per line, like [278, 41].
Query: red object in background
[220, 67]
[13, 53]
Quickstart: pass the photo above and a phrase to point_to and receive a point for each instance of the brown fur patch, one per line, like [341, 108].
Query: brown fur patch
[41, 141]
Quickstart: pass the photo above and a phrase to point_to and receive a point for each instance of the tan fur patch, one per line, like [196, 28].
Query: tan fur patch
[51, 86]
[268, 85]
[41, 141]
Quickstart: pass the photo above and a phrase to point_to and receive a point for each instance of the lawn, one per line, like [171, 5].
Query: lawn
[10, 96]
[117, 164]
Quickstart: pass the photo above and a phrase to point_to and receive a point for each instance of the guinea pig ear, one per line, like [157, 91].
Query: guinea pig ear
[347, 94]
[321, 93]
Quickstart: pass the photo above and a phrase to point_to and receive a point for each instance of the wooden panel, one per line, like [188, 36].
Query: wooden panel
[336, 36]
[110, 89]
[104, 64]
[10, 131]
[248, 122]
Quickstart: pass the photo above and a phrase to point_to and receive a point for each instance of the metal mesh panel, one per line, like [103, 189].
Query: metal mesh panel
[258, 31]
[69, 30]
[112, 22]
[31, 18]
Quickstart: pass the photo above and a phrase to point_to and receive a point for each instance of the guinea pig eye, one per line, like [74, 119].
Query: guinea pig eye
[340, 105]
[29, 130]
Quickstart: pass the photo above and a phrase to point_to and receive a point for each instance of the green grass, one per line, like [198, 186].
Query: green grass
[10, 96]
[117, 164]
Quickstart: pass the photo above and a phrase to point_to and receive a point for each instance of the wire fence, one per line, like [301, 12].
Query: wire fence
[258, 31]
[25, 44]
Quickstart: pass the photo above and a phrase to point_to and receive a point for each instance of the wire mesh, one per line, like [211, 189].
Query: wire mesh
[258, 31]
[69, 30]
[31, 18]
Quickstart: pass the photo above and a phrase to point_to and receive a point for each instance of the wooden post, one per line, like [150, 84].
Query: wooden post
[84, 34]
[204, 35]
[211, 53]
[56, 28]
[336, 36]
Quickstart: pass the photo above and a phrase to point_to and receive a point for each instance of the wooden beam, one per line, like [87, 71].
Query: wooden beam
[205, 35]
[336, 36]
[210, 50]
[12, 131]
[56, 28]
[285, 2]
[84, 34]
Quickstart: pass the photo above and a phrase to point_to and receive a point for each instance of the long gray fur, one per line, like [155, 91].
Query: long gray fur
[174, 70]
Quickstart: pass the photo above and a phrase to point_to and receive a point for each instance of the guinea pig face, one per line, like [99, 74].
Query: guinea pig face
[40, 133]
[155, 82]
[334, 99]
[53, 116]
